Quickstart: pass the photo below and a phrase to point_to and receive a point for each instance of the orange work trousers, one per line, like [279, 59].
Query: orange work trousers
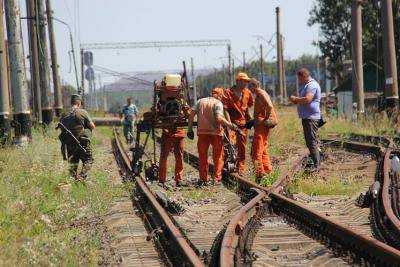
[240, 139]
[260, 156]
[203, 143]
[169, 143]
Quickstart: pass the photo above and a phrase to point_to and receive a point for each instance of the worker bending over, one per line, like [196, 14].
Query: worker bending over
[264, 120]
[237, 101]
[172, 139]
[210, 123]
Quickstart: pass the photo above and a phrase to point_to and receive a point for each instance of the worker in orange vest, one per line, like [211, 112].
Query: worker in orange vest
[210, 123]
[264, 120]
[172, 139]
[237, 101]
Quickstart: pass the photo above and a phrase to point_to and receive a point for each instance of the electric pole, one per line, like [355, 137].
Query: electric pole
[244, 61]
[327, 76]
[34, 58]
[81, 91]
[233, 68]
[357, 55]
[283, 72]
[44, 70]
[18, 79]
[389, 55]
[194, 81]
[261, 66]
[58, 105]
[4, 92]
[230, 65]
[278, 55]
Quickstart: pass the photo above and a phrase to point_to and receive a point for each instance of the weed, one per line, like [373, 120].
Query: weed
[45, 218]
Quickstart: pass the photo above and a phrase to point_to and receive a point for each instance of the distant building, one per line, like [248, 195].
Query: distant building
[373, 91]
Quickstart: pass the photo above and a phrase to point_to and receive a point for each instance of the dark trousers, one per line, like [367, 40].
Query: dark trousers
[310, 129]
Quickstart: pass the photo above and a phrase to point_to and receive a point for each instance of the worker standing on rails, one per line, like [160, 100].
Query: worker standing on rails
[172, 139]
[129, 113]
[210, 120]
[237, 101]
[264, 120]
[308, 107]
[76, 131]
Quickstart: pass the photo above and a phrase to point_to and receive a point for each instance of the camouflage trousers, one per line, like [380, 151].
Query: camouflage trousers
[76, 154]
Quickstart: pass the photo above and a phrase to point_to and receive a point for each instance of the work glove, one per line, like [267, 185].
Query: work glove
[249, 124]
[190, 134]
[270, 124]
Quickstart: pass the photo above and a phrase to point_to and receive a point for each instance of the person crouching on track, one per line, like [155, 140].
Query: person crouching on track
[264, 120]
[210, 120]
[76, 131]
[172, 139]
[237, 101]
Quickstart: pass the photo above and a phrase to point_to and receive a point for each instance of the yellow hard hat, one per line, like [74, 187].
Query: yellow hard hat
[242, 76]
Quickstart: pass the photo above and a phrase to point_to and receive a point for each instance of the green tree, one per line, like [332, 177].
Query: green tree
[334, 21]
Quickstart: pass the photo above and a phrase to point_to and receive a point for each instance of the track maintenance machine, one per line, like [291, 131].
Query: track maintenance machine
[170, 108]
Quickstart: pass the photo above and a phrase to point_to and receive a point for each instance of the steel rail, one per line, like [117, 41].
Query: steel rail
[369, 249]
[236, 226]
[386, 221]
[392, 221]
[170, 230]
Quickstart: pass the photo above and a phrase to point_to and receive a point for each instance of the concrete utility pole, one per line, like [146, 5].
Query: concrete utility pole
[58, 104]
[230, 79]
[81, 90]
[278, 55]
[283, 71]
[4, 92]
[389, 55]
[244, 61]
[194, 80]
[20, 94]
[44, 70]
[103, 88]
[327, 75]
[357, 56]
[224, 75]
[262, 66]
[34, 58]
[233, 67]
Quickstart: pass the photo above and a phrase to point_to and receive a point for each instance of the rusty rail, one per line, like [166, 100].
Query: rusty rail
[383, 210]
[325, 229]
[176, 241]
[369, 249]
[229, 248]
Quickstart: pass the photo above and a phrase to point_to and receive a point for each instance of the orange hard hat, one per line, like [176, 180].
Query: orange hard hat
[217, 91]
[242, 76]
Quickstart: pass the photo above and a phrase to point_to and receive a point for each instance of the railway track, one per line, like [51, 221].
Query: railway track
[385, 193]
[171, 241]
[328, 241]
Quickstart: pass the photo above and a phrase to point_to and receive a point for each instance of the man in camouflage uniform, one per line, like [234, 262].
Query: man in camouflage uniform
[76, 131]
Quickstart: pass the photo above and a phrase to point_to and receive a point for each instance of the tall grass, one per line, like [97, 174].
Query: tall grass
[45, 218]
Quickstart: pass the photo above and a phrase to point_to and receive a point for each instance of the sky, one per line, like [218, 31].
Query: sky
[161, 20]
